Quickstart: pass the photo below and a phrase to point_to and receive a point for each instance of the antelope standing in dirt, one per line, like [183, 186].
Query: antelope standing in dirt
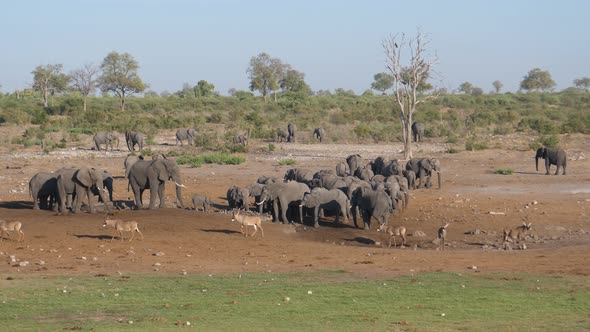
[518, 233]
[248, 220]
[121, 226]
[14, 226]
[442, 235]
[393, 232]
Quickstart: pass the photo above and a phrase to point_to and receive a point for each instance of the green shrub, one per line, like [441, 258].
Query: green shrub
[504, 171]
[549, 141]
[215, 158]
[271, 147]
[288, 161]
[147, 152]
[472, 144]
[453, 150]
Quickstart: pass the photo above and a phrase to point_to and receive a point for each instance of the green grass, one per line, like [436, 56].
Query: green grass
[288, 161]
[255, 302]
[504, 171]
[213, 158]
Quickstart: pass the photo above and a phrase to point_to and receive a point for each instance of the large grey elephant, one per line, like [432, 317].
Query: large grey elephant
[299, 175]
[364, 173]
[282, 136]
[186, 134]
[287, 194]
[238, 198]
[354, 161]
[255, 190]
[107, 184]
[43, 190]
[292, 129]
[327, 200]
[418, 131]
[404, 187]
[556, 157]
[423, 168]
[342, 169]
[263, 179]
[330, 181]
[107, 138]
[79, 183]
[129, 161]
[319, 133]
[152, 175]
[133, 138]
[410, 177]
[371, 204]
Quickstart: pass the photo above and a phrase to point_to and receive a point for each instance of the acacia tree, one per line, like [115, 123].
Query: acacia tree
[264, 73]
[582, 83]
[537, 80]
[466, 88]
[497, 86]
[203, 89]
[293, 81]
[49, 79]
[84, 81]
[382, 82]
[119, 75]
[408, 74]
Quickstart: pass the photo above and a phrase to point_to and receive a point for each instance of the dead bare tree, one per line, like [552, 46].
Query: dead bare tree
[84, 80]
[408, 75]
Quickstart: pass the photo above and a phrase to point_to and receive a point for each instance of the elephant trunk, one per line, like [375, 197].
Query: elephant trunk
[101, 190]
[179, 196]
[438, 175]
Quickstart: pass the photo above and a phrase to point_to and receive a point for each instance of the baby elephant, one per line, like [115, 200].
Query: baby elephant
[201, 202]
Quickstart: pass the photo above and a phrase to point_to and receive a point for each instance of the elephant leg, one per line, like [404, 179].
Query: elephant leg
[354, 211]
[275, 208]
[338, 210]
[547, 166]
[316, 216]
[366, 220]
[137, 193]
[301, 215]
[161, 189]
[36, 199]
[563, 169]
[91, 201]
[153, 196]
[284, 208]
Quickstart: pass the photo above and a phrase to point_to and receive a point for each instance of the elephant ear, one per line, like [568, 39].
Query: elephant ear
[426, 164]
[86, 176]
[162, 169]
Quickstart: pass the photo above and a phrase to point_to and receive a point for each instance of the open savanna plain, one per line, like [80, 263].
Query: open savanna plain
[195, 270]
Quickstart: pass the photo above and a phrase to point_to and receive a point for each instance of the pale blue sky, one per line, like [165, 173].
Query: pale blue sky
[337, 44]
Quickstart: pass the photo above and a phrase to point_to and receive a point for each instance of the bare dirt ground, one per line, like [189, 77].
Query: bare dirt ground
[181, 241]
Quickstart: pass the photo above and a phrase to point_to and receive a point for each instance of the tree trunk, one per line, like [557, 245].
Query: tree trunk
[85, 97]
[408, 138]
[122, 103]
[45, 97]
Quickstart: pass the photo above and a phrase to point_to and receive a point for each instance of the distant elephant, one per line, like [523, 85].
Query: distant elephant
[371, 204]
[319, 133]
[133, 138]
[418, 131]
[291, 128]
[354, 161]
[423, 168]
[556, 157]
[282, 136]
[285, 194]
[328, 200]
[79, 183]
[299, 175]
[238, 198]
[201, 202]
[186, 134]
[43, 187]
[241, 139]
[342, 169]
[152, 175]
[106, 138]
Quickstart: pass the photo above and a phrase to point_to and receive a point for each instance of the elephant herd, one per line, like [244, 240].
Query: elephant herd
[136, 139]
[375, 190]
[67, 187]
[289, 135]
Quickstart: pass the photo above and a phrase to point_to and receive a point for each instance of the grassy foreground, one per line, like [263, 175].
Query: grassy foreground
[324, 301]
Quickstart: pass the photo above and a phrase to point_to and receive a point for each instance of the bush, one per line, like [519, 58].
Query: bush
[473, 144]
[549, 141]
[504, 171]
[453, 150]
[216, 158]
[289, 161]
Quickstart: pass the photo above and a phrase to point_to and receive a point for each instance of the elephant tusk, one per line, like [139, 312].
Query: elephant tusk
[260, 203]
[179, 185]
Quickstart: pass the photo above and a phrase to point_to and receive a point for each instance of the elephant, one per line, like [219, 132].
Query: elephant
[187, 134]
[238, 198]
[342, 169]
[107, 184]
[556, 157]
[403, 184]
[391, 168]
[201, 202]
[354, 161]
[287, 194]
[255, 190]
[395, 193]
[129, 161]
[364, 173]
[152, 175]
[282, 136]
[79, 183]
[291, 128]
[319, 133]
[299, 175]
[241, 139]
[423, 168]
[331, 200]
[411, 177]
[329, 182]
[133, 138]
[43, 187]
[106, 138]
[378, 164]
[371, 204]
[263, 179]
[418, 131]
